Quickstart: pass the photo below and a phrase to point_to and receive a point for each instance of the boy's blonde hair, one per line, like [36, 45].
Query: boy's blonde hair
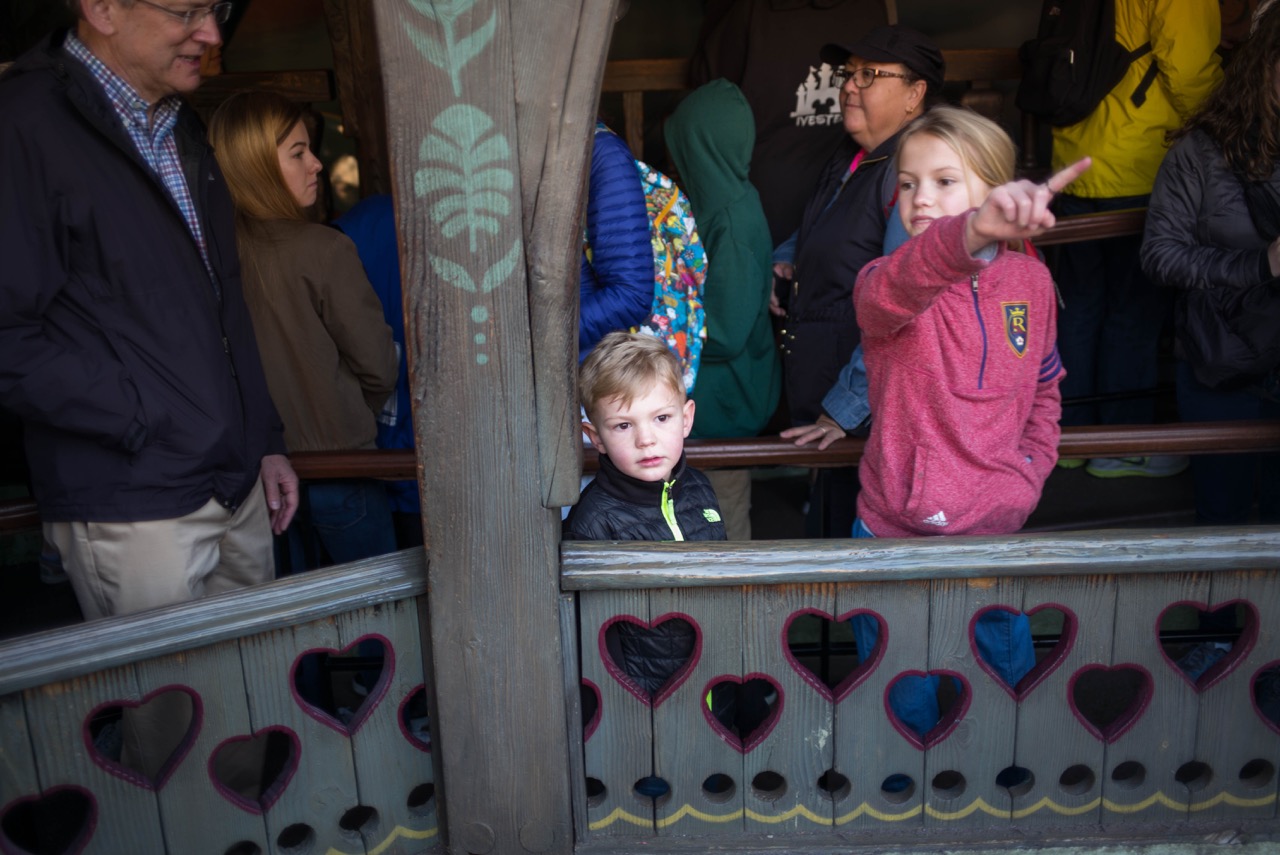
[624, 365]
[983, 145]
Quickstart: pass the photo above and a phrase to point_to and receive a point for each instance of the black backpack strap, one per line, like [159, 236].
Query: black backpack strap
[1139, 96]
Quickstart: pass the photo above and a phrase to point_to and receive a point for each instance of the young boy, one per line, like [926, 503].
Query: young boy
[638, 417]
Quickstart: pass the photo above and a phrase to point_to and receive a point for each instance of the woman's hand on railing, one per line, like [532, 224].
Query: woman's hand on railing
[825, 431]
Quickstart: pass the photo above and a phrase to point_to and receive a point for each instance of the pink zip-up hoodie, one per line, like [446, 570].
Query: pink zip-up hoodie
[963, 372]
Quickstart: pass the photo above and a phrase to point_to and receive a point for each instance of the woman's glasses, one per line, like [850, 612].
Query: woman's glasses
[863, 77]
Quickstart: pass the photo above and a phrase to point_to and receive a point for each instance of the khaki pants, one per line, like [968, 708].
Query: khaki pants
[126, 567]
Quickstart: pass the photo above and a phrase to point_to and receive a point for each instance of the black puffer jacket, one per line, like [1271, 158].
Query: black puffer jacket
[618, 507]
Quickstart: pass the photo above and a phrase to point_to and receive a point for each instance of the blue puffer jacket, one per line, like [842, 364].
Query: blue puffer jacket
[616, 281]
[138, 378]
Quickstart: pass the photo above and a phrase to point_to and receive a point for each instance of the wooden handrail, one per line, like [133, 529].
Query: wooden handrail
[1095, 226]
[1077, 442]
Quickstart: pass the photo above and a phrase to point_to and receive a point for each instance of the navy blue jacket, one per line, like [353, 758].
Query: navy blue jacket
[137, 376]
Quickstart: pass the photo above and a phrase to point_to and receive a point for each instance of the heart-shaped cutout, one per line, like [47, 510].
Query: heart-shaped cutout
[743, 710]
[159, 719]
[253, 770]
[590, 698]
[1003, 645]
[1109, 701]
[651, 659]
[828, 652]
[925, 706]
[1266, 694]
[340, 688]
[1203, 645]
[415, 722]
[60, 821]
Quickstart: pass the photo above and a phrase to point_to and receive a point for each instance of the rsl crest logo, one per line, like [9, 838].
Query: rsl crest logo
[1015, 327]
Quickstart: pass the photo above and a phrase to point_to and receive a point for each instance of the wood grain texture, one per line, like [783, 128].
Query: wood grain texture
[359, 85]
[597, 566]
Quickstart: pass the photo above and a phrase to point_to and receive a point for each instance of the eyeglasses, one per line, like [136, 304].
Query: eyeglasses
[862, 77]
[193, 18]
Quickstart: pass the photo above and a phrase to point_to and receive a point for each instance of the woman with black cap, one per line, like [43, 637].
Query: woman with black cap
[886, 81]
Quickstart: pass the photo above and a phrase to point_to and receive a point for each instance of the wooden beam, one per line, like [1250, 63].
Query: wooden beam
[360, 92]
[304, 86]
[1095, 227]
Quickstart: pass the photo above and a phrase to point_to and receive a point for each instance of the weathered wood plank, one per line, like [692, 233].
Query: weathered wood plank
[619, 750]
[128, 815]
[574, 724]
[1230, 733]
[869, 749]
[686, 749]
[1162, 738]
[595, 566]
[18, 778]
[982, 743]
[493, 608]
[356, 67]
[802, 746]
[1066, 761]
[60, 654]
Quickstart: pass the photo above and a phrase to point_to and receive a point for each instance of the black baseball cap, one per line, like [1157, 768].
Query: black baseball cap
[894, 43]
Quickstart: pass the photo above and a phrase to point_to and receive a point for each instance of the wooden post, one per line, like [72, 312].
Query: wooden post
[475, 214]
[355, 65]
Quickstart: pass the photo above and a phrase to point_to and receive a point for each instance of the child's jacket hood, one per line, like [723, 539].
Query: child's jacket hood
[710, 137]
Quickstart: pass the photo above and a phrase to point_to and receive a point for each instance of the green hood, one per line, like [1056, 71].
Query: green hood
[710, 137]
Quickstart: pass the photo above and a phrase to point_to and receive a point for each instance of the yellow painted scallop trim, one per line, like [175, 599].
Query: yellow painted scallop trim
[396, 833]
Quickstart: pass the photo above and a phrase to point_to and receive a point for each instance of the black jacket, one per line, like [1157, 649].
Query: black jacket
[137, 376]
[618, 507]
[834, 243]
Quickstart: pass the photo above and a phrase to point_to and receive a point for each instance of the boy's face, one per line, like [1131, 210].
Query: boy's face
[644, 438]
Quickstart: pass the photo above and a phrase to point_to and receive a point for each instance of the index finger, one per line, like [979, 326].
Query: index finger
[1059, 180]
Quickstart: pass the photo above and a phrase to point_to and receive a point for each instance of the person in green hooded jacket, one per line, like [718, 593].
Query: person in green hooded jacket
[709, 138]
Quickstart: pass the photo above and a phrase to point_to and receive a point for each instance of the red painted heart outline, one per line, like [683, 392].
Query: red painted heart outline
[1253, 696]
[1042, 669]
[854, 678]
[402, 717]
[589, 727]
[270, 795]
[1122, 723]
[82, 840]
[371, 701]
[946, 723]
[1215, 673]
[178, 754]
[676, 680]
[761, 733]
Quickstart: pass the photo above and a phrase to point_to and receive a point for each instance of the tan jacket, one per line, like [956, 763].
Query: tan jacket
[328, 354]
[1127, 142]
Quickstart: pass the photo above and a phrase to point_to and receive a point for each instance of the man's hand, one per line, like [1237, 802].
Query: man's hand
[281, 485]
[1018, 210]
[825, 432]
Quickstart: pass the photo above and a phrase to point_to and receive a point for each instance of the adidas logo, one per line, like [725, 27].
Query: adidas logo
[938, 519]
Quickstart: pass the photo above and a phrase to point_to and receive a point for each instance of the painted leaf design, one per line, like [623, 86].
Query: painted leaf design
[448, 52]
[469, 47]
[501, 269]
[466, 163]
[442, 10]
[453, 273]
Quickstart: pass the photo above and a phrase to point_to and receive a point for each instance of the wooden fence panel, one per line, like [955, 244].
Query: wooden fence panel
[324, 758]
[1065, 759]
[963, 764]
[801, 748]
[869, 749]
[1143, 760]
[687, 749]
[1240, 751]
[619, 744]
[20, 788]
[128, 816]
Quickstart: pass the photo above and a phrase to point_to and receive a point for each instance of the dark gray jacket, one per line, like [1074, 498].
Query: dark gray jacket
[138, 378]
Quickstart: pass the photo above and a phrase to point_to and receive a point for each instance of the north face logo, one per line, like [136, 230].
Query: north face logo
[938, 519]
[817, 98]
[711, 515]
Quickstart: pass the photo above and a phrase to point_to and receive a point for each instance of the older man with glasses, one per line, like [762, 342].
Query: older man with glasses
[156, 455]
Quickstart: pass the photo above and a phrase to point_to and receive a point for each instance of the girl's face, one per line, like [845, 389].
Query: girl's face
[933, 182]
[299, 166]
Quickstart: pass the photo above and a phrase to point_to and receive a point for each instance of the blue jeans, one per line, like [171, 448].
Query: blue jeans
[348, 519]
[1110, 323]
[1225, 484]
[1003, 640]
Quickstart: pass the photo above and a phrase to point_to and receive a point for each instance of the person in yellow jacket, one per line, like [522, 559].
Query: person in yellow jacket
[1112, 314]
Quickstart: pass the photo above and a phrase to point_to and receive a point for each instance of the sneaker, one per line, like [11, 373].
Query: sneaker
[1070, 463]
[1156, 466]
